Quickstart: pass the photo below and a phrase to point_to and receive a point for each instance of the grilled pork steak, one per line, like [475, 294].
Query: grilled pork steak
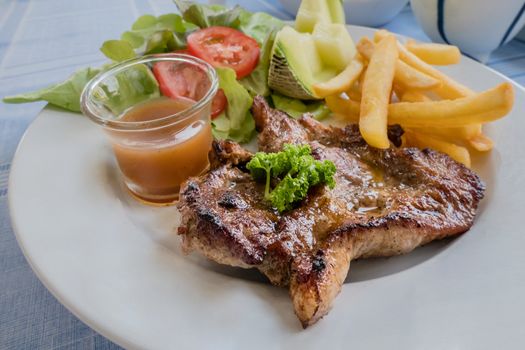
[385, 202]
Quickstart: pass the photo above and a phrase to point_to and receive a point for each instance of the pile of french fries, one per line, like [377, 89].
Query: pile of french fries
[391, 83]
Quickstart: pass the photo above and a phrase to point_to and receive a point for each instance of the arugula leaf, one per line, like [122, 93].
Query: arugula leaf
[296, 108]
[65, 94]
[296, 171]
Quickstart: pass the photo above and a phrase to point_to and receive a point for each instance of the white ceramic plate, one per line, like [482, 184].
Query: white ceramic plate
[117, 266]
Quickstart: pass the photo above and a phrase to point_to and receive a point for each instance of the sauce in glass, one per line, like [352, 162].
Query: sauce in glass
[156, 161]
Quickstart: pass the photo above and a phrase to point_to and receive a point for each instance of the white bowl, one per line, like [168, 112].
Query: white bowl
[371, 13]
[477, 27]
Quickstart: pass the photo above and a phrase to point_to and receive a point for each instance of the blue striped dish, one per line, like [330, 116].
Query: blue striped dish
[477, 27]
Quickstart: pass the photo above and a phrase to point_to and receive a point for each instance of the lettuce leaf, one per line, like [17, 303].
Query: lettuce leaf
[257, 25]
[239, 100]
[296, 108]
[263, 28]
[150, 34]
[128, 88]
[166, 33]
[206, 16]
[134, 85]
[257, 82]
[260, 26]
[65, 94]
[118, 50]
[236, 122]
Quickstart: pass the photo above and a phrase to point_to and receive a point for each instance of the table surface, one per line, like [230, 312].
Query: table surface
[42, 42]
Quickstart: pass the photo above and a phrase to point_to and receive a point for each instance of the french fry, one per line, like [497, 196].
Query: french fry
[399, 90]
[377, 86]
[342, 82]
[445, 117]
[470, 131]
[446, 125]
[465, 133]
[481, 143]
[354, 93]
[484, 107]
[435, 54]
[449, 88]
[361, 80]
[412, 78]
[350, 110]
[345, 107]
[458, 153]
[449, 134]
[414, 96]
[404, 75]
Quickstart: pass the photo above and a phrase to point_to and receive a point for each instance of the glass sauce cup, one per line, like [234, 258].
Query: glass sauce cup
[158, 141]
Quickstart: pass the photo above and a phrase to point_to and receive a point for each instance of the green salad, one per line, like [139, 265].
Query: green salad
[271, 59]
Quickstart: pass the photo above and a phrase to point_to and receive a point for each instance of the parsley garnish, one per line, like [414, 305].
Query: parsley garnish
[295, 170]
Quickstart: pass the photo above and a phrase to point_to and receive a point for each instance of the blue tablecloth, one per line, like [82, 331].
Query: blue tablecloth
[42, 42]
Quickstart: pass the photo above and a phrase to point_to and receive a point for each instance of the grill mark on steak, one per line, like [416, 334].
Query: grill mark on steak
[232, 201]
[385, 202]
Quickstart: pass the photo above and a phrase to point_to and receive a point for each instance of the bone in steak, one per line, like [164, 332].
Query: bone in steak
[385, 202]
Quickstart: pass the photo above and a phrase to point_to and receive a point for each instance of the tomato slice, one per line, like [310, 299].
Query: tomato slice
[225, 47]
[218, 104]
[178, 81]
[181, 80]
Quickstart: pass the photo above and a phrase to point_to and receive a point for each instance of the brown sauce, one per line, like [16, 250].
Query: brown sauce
[155, 162]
